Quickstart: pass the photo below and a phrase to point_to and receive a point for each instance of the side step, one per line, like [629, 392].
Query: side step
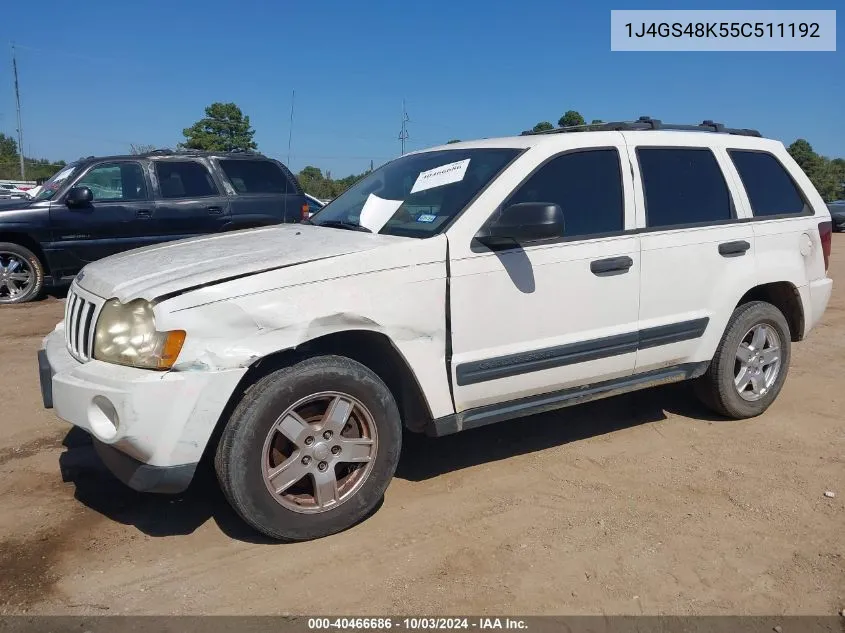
[481, 416]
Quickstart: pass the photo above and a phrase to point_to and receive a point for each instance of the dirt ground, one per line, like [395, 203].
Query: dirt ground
[640, 504]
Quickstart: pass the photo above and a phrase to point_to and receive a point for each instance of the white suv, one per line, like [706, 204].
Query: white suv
[449, 289]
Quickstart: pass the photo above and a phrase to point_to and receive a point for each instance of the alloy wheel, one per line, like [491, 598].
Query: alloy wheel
[319, 452]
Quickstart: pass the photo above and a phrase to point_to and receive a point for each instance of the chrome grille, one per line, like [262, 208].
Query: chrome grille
[79, 325]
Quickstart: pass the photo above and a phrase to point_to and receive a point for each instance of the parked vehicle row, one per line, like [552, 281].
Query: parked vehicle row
[449, 289]
[9, 191]
[100, 206]
[837, 215]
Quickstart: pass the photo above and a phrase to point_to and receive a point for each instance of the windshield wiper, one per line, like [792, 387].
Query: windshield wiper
[340, 224]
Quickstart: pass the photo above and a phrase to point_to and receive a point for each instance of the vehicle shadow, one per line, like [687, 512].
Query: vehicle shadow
[152, 514]
[426, 457]
[422, 458]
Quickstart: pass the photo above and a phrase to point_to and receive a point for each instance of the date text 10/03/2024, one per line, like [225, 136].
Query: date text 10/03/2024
[417, 623]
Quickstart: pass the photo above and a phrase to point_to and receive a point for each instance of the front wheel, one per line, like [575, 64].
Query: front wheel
[310, 449]
[750, 364]
[21, 274]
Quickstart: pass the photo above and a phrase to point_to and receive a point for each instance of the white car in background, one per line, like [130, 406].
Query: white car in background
[13, 191]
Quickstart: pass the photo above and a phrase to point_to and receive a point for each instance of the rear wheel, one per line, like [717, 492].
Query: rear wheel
[21, 274]
[750, 364]
[310, 449]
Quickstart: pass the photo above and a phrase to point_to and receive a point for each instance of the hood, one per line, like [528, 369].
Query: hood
[154, 271]
[15, 204]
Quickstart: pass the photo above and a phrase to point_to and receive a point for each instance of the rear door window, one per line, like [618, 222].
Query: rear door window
[256, 176]
[184, 179]
[769, 186]
[683, 186]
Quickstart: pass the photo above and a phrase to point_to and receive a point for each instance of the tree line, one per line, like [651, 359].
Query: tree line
[226, 128]
[10, 163]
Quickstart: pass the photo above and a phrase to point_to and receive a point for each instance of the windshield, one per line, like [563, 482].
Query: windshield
[416, 195]
[49, 188]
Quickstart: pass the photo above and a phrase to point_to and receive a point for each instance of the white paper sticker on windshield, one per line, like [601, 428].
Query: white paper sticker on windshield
[439, 176]
[377, 211]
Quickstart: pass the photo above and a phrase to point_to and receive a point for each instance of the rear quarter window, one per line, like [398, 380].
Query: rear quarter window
[770, 188]
[256, 176]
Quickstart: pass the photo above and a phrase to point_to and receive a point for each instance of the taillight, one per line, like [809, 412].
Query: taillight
[826, 235]
[305, 211]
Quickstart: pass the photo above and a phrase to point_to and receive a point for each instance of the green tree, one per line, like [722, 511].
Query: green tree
[803, 153]
[313, 181]
[454, 140]
[826, 175]
[10, 166]
[543, 126]
[8, 147]
[223, 129]
[570, 118]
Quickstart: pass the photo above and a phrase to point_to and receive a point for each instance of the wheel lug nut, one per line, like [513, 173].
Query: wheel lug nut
[306, 460]
[322, 466]
[309, 441]
[327, 435]
[335, 450]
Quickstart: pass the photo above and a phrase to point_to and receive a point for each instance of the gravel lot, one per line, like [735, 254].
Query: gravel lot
[640, 504]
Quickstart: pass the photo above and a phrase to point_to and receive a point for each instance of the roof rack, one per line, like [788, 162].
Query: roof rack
[196, 152]
[647, 123]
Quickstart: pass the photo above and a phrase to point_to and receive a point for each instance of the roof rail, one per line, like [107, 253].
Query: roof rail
[647, 123]
[166, 151]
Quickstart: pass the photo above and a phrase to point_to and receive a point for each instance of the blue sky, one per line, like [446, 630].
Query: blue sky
[96, 76]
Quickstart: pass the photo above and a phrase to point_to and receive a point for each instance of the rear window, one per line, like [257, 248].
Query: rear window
[256, 176]
[683, 186]
[184, 179]
[769, 186]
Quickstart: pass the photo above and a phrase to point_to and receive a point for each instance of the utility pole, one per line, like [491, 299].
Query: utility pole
[290, 130]
[18, 101]
[403, 134]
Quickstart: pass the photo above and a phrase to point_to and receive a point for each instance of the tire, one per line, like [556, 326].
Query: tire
[718, 388]
[17, 261]
[248, 452]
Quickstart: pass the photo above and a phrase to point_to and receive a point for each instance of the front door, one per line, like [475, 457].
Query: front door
[112, 223]
[543, 317]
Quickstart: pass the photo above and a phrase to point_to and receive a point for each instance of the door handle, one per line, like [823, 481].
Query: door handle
[215, 210]
[611, 265]
[143, 214]
[728, 249]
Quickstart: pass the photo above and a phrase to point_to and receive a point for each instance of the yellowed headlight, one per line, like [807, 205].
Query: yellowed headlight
[126, 335]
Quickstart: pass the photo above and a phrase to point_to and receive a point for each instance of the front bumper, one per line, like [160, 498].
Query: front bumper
[150, 428]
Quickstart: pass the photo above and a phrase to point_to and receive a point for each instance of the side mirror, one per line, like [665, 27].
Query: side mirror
[79, 197]
[523, 222]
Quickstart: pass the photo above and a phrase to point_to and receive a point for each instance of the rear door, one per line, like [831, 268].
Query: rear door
[113, 222]
[264, 193]
[190, 201]
[698, 254]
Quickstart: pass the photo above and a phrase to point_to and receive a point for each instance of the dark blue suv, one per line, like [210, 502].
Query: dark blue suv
[99, 206]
